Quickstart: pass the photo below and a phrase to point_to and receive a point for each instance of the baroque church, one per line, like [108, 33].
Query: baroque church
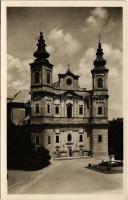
[68, 120]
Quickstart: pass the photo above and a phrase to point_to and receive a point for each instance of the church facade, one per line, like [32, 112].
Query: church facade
[68, 120]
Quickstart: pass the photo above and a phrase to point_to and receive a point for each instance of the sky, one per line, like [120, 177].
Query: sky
[71, 35]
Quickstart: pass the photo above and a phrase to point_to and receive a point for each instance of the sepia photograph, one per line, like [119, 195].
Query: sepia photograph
[65, 100]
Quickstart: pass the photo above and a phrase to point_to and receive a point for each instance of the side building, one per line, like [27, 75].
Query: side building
[66, 119]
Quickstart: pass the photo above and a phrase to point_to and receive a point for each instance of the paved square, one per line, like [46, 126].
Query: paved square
[64, 177]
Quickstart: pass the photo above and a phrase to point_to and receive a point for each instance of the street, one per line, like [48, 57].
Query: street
[64, 177]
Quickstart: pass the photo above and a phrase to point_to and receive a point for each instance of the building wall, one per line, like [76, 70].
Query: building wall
[66, 93]
[78, 148]
[62, 107]
[63, 83]
[100, 148]
[75, 147]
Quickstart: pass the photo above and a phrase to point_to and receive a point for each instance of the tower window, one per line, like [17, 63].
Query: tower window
[48, 78]
[37, 77]
[48, 108]
[57, 138]
[80, 110]
[37, 140]
[69, 137]
[57, 110]
[81, 138]
[100, 83]
[49, 140]
[37, 108]
[99, 138]
[100, 110]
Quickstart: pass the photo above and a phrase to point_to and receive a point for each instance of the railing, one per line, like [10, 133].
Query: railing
[73, 120]
[65, 120]
[60, 120]
[97, 120]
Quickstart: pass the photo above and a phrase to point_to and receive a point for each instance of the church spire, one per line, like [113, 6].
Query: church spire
[99, 61]
[41, 52]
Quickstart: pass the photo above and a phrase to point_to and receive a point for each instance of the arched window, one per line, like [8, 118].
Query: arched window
[81, 110]
[69, 137]
[37, 140]
[69, 110]
[99, 138]
[37, 108]
[49, 140]
[100, 82]
[37, 77]
[100, 110]
[81, 138]
[48, 108]
[48, 78]
[57, 138]
[56, 109]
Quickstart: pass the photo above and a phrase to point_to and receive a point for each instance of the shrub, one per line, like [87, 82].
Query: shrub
[21, 153]
[38, 159]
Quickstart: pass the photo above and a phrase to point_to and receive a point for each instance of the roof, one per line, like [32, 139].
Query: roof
[68, 73]
[55, 84]
[21, 96]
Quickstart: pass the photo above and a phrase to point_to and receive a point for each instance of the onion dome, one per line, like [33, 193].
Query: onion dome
[41, 52]
[99, 61]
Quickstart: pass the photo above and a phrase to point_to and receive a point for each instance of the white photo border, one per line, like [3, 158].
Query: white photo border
[4, 5]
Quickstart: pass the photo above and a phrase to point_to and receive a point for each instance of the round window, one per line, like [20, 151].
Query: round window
[69, 81]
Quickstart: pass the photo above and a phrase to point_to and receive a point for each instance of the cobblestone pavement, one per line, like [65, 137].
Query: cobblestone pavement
[64, 177]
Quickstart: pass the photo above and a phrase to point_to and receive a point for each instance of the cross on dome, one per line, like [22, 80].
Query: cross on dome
[99, 61]
[99, 37]
[68, 65]
[41, 32]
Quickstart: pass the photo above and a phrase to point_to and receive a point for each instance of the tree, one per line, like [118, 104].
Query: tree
[115, 138]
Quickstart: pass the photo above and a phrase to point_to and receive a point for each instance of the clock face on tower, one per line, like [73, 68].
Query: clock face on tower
[69, 81]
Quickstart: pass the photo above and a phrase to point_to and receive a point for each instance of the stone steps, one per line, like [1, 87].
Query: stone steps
[70, 158]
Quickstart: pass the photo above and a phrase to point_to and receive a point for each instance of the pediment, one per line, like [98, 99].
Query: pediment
[69, 73]
[71, 94]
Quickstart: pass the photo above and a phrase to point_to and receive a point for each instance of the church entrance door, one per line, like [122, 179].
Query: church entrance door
[70, 152]
[69, 110]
